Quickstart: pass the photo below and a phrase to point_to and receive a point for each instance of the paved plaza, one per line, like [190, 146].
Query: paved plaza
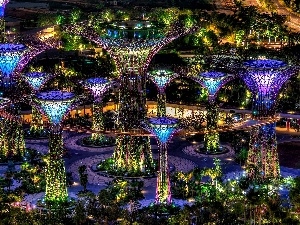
[182, 156]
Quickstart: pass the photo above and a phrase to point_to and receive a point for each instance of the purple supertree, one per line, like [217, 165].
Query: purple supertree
[161, 78]
[54, 105]
[132, 45]
[163, 128]
[264, 77]
[97, 86]
[36, 80]
[212, 81]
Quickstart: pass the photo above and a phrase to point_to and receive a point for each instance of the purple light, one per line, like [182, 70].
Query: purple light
[265, 77]
[55, 104]
[37, 79]
[97, 86]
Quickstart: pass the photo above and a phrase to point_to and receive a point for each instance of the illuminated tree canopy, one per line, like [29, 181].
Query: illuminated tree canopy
[132, 44]
[212, 81]
[37, 79]
[98, 86]
[55, 104]
[162, 77]
[163, 127]
[265, 77]
[10, 55]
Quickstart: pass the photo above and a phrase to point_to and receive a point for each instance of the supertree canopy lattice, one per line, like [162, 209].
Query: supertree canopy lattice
[161, 78]
[132, 45]
[212, 81]
[163, 128]
[97, 86]
[10, 55]
[264, 78]
[55, 104]
[262, 161]
[36, 80]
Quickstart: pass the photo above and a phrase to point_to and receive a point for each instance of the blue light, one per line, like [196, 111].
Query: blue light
[10, 55]
[213, 81]
[2, 11]
[163, 127]
[36, 79]
[265, 64]
[55, 104]
[162, 77]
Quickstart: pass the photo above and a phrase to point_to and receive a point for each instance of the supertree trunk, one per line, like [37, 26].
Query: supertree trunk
[161, 104]
[2, 27]
[56, 186]
[19, 139]
[262, 159]
[98, 123]
[211, 137]
[163, 189]
[4, 144]
[132, 153]
[14, 142]
[264, 106]
[36, 126]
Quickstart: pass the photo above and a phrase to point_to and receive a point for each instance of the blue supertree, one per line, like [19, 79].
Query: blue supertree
[54, 105]
[212, 81]
[163, 128]
[161, 78]
[10, 55]
[36, 81]
[264, 77]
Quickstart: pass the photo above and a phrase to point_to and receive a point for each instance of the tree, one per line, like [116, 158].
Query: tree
[83, 177]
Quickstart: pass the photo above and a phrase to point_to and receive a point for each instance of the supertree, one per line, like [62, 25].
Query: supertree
[161, 78]
[264, 78]
[5, 148]
[54, 105]
[10, 56]
[36, 80]
[97, 86]
[212, 81]
[2, 21]
[13, 58]
[132, 45]
[163, 128]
